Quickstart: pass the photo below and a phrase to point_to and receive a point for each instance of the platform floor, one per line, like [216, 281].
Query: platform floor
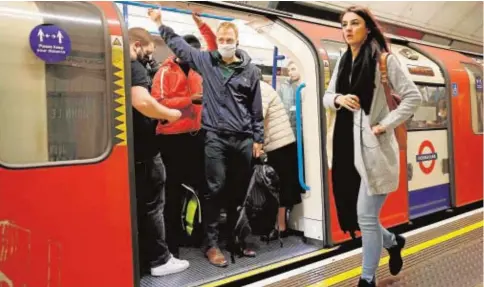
[445, 254]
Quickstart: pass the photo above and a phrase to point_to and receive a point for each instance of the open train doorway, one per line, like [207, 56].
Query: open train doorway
[277, 50]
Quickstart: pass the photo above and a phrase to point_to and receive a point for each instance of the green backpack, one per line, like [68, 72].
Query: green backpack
[191, 217]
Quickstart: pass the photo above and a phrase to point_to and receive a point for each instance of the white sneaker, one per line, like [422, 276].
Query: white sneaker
[179, 261]
[173, 265]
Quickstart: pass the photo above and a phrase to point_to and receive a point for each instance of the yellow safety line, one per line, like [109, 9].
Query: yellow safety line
[406, 252]
[267, 268]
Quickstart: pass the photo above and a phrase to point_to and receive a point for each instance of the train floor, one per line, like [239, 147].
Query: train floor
[447, 253]
[201, 272]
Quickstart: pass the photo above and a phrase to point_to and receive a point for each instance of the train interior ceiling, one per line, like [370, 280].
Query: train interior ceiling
[427, 187]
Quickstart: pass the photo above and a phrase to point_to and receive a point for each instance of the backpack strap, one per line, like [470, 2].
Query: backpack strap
[391, 101]
[191, 209]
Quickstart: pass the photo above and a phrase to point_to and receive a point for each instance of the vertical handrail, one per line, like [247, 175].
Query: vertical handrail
[300, 159]
[125, 13]
[276, 57]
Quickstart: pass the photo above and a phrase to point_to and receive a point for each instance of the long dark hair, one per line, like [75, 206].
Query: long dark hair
[371, 24]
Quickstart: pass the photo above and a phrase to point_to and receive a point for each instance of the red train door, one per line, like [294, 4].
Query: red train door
[65, 216]
[465, 77]
[330, 43]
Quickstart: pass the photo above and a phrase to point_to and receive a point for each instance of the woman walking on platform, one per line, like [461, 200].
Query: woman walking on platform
[365, 156]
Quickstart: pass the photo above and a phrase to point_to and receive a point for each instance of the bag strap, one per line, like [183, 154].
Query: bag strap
[391, 102]
[251, 186]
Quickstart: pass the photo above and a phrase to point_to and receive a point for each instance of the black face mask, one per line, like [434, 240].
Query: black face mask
[143, 59]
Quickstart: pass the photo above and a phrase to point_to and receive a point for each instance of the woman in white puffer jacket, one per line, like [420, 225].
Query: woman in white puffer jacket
[280, 146]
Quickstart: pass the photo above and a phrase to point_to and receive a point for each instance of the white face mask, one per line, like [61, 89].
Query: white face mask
[226, 50]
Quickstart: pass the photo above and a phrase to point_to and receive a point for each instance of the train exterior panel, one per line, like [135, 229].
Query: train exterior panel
[428, 184]
[67, 225]
[467, 141]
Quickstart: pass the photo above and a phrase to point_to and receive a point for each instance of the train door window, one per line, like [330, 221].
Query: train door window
[53, 112]
[475, 80]
[432, 114]
[334, 50]
[478, 60]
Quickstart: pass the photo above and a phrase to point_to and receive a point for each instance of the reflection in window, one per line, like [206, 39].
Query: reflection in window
[475, 80]
[433, 111]
[53, 112]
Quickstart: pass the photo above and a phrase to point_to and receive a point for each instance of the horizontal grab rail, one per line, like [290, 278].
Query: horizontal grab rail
[181, 11]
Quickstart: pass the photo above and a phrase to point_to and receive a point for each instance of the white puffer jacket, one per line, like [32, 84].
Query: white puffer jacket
[277, 128]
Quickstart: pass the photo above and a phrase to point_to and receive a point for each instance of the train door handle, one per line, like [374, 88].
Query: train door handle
[445, 165]
[409, 171]
[300, 159]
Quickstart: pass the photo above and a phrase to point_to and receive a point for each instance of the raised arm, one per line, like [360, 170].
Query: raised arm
[177, 44]
[206, 32]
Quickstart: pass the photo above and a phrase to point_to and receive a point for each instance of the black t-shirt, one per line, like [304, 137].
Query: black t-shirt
[144, 127]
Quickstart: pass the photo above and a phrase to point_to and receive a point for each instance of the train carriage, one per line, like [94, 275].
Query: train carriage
[67, 198]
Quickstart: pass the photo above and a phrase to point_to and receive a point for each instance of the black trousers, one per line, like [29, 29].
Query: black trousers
[227, 170]
[150, 195]
[183, 158]
[284, 162]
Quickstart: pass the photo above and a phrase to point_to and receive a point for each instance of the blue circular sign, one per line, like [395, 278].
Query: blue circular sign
[50, 43]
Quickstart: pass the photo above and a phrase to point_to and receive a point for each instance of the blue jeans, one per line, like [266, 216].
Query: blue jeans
[374, 235]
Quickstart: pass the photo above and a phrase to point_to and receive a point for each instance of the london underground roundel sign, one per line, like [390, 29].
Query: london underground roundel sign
[426, 157]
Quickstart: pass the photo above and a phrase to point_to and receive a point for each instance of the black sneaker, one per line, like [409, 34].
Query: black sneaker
[396, 262]
[364, 283]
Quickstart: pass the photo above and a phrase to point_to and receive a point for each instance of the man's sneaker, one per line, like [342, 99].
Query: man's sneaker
[173, 265]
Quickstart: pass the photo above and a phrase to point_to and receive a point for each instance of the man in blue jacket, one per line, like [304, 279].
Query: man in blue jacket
[231, 120]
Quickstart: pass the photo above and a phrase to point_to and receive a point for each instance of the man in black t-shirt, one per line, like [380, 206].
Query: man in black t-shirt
[149, 169]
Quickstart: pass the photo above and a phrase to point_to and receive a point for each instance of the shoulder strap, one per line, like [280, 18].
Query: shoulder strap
[384, 80]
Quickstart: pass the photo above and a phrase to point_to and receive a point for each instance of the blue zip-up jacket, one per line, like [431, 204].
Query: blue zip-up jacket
[230, 104]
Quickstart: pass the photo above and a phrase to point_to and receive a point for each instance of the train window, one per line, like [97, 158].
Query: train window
[475, 80]
[334, 50]
[53, 112]
[432, 113]
[478, 60]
